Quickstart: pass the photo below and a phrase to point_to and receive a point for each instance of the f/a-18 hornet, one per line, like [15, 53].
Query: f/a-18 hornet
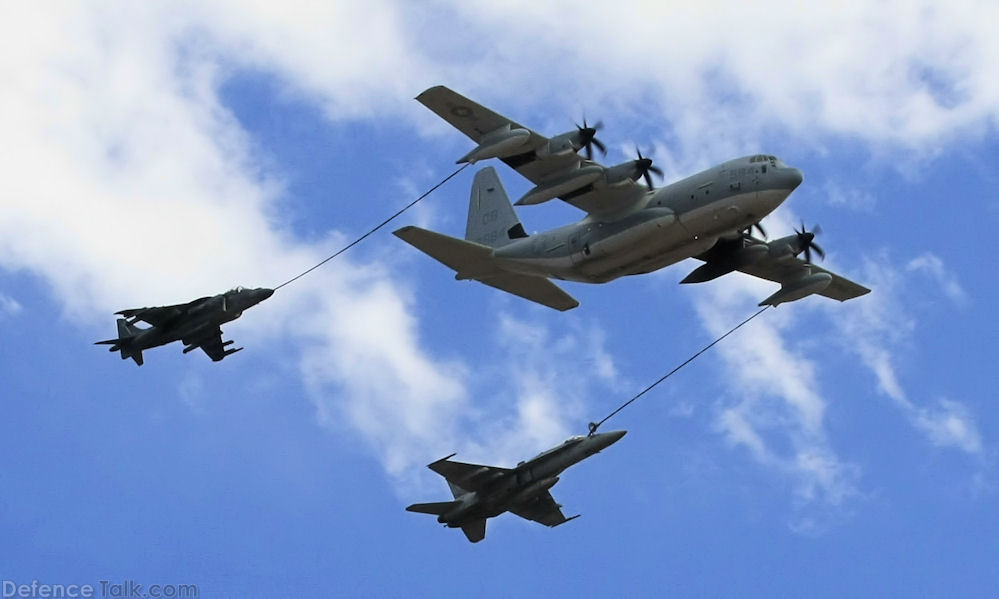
[196, 324]
[629, 228]
[482, 492]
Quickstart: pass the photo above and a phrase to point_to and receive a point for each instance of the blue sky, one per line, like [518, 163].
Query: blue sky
[164, 151]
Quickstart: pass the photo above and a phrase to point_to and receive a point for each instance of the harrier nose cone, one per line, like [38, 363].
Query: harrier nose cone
[263, 294]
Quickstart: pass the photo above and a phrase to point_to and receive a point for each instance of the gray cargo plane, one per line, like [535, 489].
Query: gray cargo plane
[482, 492]
[195, 323]
[629, 228]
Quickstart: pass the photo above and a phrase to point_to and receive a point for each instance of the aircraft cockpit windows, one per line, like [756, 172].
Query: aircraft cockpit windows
[773, 160]
[573, 439]
[237, 289]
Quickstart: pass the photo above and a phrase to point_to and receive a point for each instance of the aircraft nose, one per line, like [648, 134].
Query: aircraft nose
[793, 177]
[264, 293]
[612, 437]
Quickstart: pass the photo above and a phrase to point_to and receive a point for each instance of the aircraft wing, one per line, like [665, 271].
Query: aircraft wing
[789, 268]
[470, 477]
[476, 121]
[543, 509]
[159, 315]
[783, 269]
[210, 341]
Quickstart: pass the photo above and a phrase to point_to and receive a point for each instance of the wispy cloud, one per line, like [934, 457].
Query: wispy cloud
[931, 265]
[877, 328]
[852, 198]
[776, 411]
[9, 306]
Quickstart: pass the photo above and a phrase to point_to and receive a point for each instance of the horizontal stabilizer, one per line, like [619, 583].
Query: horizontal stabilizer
[124, 342]
[475, 261]
[536, 289]
[471, 260]
[436, 508]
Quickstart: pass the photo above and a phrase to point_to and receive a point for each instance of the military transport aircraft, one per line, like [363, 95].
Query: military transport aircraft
[196, 324]
[482, 492]
[630, 228]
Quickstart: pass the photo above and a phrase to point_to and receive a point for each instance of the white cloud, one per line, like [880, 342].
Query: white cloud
[852, 198]
[877, 328]
[930, 264]
[9, 306]
[898, 73]
[128, 171]
[777, 412]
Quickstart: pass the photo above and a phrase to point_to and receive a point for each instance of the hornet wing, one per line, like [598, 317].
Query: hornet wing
[477, 121]
[542, 509]
[469, 477]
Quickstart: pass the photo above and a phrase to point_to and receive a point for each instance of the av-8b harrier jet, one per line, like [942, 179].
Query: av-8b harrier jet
[629, 228]
[482, 492]
[195, 323]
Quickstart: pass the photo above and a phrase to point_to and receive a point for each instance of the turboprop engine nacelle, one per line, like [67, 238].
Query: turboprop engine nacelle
[498, 144]
[560, 184]
[799, 288]
[534, 489]
[562, 144]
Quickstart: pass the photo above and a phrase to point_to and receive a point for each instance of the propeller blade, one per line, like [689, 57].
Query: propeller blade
[808, 254]
[759, 227]
[599, 145]
[644, 166]
[587, 137]
[818, 250]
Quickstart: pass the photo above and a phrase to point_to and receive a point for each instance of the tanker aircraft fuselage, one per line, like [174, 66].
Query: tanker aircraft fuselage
[678, 221]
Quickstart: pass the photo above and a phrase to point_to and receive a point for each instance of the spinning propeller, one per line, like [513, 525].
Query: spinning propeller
[759, 227]
[644, 166]
[806, 239]
[588, 138]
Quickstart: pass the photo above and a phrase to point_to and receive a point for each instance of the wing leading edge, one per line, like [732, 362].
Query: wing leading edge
[539, 162]
[470, 477]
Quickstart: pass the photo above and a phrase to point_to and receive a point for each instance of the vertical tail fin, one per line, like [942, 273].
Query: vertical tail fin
[124, 342]
[126, 330]
[491, 219]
